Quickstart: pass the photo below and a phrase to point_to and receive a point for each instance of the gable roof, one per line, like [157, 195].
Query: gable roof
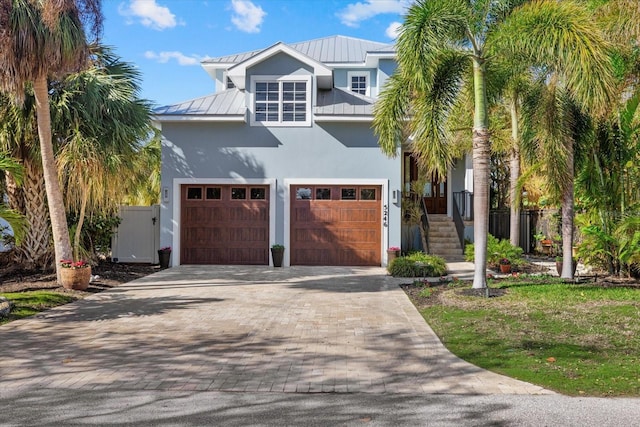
[323, 74]
[327, 50]
[227, 105]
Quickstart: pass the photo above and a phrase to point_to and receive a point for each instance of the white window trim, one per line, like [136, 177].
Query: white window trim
[177, 201]
[365, 74]
[291, 78]
[384, 199]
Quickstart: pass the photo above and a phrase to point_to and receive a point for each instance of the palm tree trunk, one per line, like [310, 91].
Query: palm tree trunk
[481, 155]
[514, 175]
[14, 194]
[567, 218]
[76, 237]
[57, 213]
[35, 251]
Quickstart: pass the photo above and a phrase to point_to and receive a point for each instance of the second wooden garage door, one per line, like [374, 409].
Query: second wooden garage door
[336, 225]
[224, 224]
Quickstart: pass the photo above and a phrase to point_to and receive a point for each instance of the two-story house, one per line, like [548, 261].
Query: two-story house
[283, 153]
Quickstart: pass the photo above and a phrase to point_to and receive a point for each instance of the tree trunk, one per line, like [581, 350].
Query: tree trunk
[35, 251]
[481, 156]
[76, 238]
[57, 213]
[15, 194]
[514, 175]
[567, 218]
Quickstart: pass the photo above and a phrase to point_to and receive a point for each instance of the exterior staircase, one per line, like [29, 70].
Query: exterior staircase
[443, 238]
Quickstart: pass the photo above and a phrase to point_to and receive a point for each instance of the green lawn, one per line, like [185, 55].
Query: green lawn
[29, 303]
[574, 339]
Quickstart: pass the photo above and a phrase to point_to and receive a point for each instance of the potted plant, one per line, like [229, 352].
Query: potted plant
[505, 265]
[392, 253]
[277, 253]
[75, 274]
[164, 256]
[546, 245]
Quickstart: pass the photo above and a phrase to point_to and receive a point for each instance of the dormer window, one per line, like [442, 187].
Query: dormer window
[281, 101]
[230, 84]
[359, 82]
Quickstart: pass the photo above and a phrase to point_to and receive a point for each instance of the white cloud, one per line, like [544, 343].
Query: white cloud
[164, 57]
[393, 30]
[149, 13]
[247, 16]
[354, 13]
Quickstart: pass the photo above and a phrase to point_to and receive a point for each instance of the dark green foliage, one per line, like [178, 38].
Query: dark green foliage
[418, 264]
[497, 250]
[97, 232]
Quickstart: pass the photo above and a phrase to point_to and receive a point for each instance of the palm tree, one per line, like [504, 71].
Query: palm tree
[19, 138]
[100, 122]
[442, 40]
[42, 39]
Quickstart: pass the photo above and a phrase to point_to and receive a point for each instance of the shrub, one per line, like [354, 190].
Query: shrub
[497, 250]
[418, 264]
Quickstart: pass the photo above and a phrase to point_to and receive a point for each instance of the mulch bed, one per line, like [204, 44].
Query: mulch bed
[107, 274]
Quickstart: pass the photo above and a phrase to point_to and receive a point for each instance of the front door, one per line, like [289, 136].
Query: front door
[434, 191]
[435, 196]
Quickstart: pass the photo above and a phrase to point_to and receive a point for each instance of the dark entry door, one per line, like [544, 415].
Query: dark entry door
[435, 196]
[434, 192]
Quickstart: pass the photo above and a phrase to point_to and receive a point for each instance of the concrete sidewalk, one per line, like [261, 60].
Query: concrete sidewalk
[249, 329]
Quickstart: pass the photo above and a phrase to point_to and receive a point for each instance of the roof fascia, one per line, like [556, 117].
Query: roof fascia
[324, 74]
[334, 119]
[191, 118]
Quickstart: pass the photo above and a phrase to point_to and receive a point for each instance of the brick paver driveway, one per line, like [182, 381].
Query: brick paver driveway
[303, 329]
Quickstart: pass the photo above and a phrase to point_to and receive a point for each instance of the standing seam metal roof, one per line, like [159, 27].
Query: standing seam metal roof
[334, 49]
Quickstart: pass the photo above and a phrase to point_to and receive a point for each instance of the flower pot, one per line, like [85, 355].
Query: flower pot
[505, 268]
[278, 255]
[391, 255]
[75, 278]
[163, 258]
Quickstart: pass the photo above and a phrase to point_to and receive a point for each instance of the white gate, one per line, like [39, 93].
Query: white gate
[138, 235]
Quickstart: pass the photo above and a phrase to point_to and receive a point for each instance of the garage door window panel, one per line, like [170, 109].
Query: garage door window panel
[323, 194]
[213, 193]
[194, 193]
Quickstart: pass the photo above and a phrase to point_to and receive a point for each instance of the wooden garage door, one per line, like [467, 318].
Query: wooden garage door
[224, 224]
[335, 225]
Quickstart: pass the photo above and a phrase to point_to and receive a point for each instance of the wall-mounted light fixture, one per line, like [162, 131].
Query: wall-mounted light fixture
[395, 196]
[165, 194]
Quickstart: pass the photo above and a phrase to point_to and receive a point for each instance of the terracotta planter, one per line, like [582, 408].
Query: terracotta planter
[75, 278]
[505, 268]
[163, 258]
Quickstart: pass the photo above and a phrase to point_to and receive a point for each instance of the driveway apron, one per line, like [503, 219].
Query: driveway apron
[243, 328]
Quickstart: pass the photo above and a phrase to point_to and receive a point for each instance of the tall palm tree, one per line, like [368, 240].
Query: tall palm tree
[100, 122]
[41, 39]
[19, 138]
[441, 40]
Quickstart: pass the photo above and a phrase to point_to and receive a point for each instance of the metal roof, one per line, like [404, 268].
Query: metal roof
[226, 103]
[334, 49]
[338, 102]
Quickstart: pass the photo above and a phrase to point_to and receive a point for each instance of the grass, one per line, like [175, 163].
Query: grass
[29, 303]
[574, 339]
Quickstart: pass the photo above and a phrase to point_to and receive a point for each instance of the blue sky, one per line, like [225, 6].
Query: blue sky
[167, 39]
